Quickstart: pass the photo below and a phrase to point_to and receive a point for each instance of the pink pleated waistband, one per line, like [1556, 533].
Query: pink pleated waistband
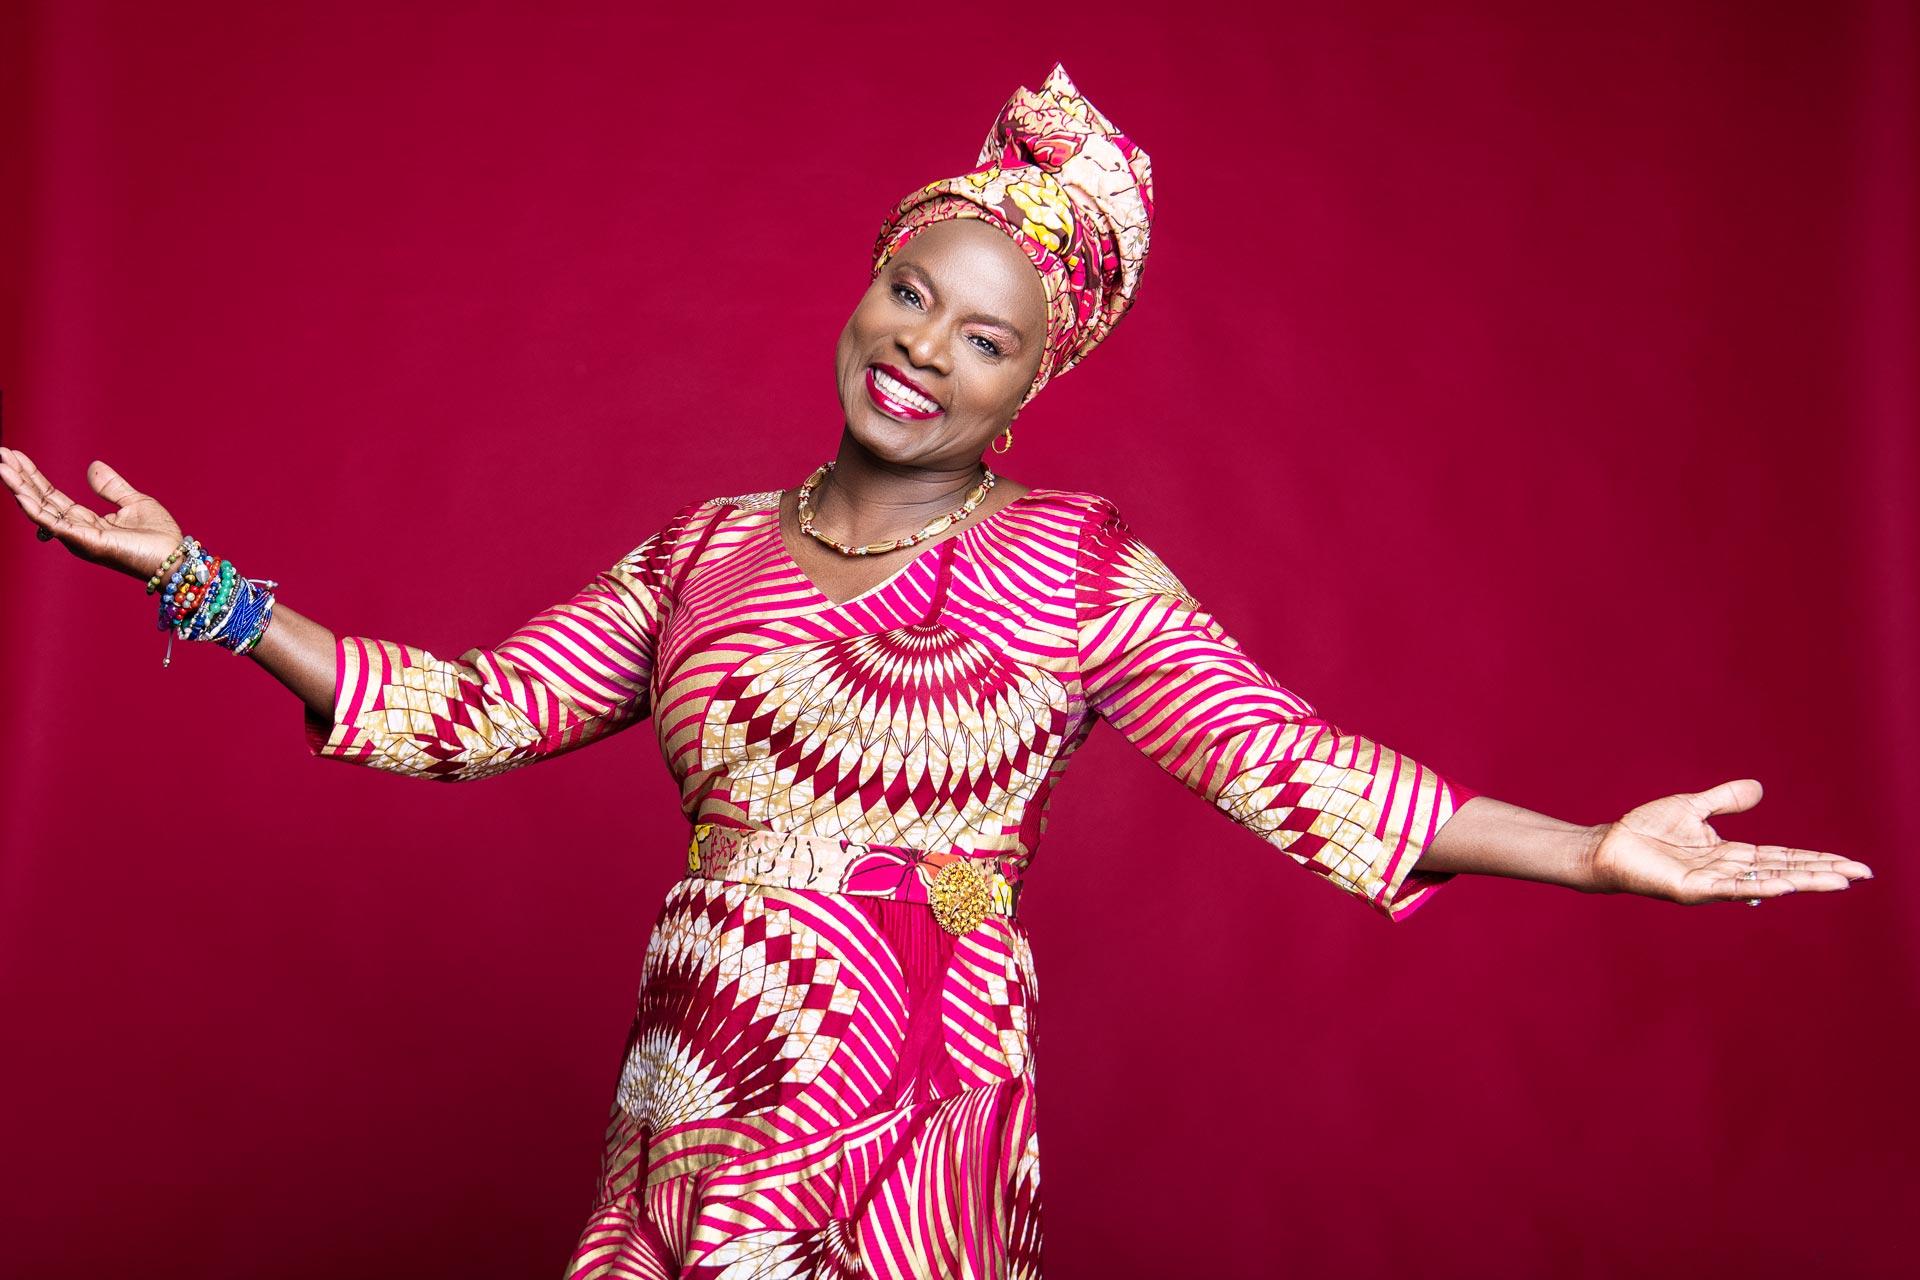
[961, 888]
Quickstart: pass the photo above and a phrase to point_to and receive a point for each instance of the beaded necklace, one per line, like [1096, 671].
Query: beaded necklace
[940, 525]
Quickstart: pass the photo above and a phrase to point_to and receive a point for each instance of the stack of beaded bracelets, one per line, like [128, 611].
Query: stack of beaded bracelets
[207, 599]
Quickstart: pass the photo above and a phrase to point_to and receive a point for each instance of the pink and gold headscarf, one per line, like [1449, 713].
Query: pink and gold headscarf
[1074, 192]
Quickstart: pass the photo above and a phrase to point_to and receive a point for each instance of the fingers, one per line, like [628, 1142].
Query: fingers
[1805, 881]
[1737, 885]
[1774, 857]
[60, 516]
[45, 505]
[35, 493]
[107, 483]
[1737, 796]
[12, 470]
[1772, 860]
[1736, 888]
[28, 482]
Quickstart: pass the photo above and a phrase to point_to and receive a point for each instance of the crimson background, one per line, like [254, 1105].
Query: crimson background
[1530, 386]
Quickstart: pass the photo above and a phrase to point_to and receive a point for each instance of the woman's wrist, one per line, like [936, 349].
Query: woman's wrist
[1589, 878]
[1568, 854]
[1490, 837]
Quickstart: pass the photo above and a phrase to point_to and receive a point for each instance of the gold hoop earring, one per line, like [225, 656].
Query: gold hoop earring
[1004, 441]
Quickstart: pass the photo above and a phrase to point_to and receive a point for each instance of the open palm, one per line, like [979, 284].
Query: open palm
[1667, 849]
[133, 538]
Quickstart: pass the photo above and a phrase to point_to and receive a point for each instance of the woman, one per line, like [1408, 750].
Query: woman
[866, 688]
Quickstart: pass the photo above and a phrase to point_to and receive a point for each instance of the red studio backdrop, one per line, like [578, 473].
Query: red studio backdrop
[1531, 387]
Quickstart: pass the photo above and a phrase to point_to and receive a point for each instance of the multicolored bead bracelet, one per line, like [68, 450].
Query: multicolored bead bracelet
[207, 599]
[186, 544]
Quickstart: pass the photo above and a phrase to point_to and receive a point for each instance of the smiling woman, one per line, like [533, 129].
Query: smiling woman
[866, 690]
[963, 306]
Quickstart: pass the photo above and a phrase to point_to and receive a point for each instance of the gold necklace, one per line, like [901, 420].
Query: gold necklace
[938, 526]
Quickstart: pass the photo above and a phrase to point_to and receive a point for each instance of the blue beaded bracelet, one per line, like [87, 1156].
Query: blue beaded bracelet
[231, 611]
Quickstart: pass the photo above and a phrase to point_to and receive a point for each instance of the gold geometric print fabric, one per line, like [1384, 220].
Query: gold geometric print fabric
[824, 1081]
[571, 675]
[916, 736]
[1161, 670]
[875, 721]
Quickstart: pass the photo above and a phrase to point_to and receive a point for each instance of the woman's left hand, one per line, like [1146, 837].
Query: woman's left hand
[1666, 849]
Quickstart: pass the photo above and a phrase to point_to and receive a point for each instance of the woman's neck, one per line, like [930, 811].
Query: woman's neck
[865, 499]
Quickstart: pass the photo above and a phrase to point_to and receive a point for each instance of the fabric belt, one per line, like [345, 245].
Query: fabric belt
[961, 887]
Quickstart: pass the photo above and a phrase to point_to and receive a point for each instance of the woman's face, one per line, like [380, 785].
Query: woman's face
[945, 342]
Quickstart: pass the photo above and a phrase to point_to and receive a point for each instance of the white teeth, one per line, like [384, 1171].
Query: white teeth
[898, 390]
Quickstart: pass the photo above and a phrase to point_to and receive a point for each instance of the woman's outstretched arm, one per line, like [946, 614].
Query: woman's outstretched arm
[1666, 848]
[571, 675]
[1160, 669]
[136, 536]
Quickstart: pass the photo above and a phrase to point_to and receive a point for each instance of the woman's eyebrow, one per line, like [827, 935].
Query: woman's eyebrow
[919, 276]
[995, 322]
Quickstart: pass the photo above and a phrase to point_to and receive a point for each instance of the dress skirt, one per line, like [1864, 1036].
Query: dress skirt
[821, 1084]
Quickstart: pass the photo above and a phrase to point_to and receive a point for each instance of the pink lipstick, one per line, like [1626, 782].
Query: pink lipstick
[898, 396]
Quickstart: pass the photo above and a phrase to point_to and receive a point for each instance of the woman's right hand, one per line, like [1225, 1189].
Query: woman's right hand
[134, 538]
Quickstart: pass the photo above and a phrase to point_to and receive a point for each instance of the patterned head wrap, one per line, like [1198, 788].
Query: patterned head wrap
[1073, 192]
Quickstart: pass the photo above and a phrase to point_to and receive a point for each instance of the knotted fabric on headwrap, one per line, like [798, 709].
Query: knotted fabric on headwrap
[1074, 192]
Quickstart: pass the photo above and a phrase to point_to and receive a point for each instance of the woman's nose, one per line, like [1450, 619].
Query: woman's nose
[925, 347]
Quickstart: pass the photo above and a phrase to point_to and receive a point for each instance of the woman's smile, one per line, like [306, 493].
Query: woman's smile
[897, 396]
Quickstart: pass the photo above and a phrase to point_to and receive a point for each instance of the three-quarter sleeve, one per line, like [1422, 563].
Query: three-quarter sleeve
[571, 675]
[1162, 671]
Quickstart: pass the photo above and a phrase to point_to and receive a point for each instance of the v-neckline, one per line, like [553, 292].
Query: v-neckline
[798, 570]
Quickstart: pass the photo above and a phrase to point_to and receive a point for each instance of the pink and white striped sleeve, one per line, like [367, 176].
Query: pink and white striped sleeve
[571, 675]
[1162, 671]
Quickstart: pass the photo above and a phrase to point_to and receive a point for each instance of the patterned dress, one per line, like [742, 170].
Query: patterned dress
[826, 1075]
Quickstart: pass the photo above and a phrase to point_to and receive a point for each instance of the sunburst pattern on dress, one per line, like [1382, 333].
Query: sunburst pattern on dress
[740, 1006]
[823, 1253]
[917, 736]
[1129, 571]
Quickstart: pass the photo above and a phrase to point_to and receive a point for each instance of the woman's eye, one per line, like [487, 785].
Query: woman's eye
[987, 345]
[906, 294]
